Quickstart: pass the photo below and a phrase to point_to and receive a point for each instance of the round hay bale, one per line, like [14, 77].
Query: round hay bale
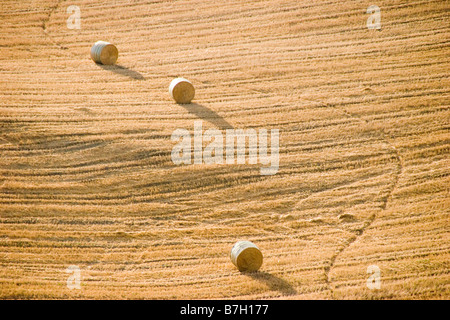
[104, 52]
[246, 256]
[181, 90]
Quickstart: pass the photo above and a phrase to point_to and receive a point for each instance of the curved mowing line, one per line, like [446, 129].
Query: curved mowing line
[372, 218]
[44, 28]
[391, 186]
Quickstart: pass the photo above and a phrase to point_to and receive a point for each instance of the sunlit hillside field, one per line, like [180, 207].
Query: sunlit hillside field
[87, 179]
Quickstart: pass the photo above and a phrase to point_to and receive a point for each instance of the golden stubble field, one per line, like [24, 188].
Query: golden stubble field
[87, 179]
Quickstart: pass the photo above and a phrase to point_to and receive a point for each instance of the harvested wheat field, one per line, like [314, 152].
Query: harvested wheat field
[88, 182]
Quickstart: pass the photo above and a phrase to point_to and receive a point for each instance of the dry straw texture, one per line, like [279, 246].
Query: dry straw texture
[86, 176]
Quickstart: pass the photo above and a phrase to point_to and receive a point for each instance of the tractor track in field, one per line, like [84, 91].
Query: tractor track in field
[47, 34]
[86, 176]
[372, 218]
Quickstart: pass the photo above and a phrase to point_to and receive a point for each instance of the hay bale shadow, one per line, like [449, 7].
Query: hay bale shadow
[273, 282]
[124, 71]
[207, 114]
